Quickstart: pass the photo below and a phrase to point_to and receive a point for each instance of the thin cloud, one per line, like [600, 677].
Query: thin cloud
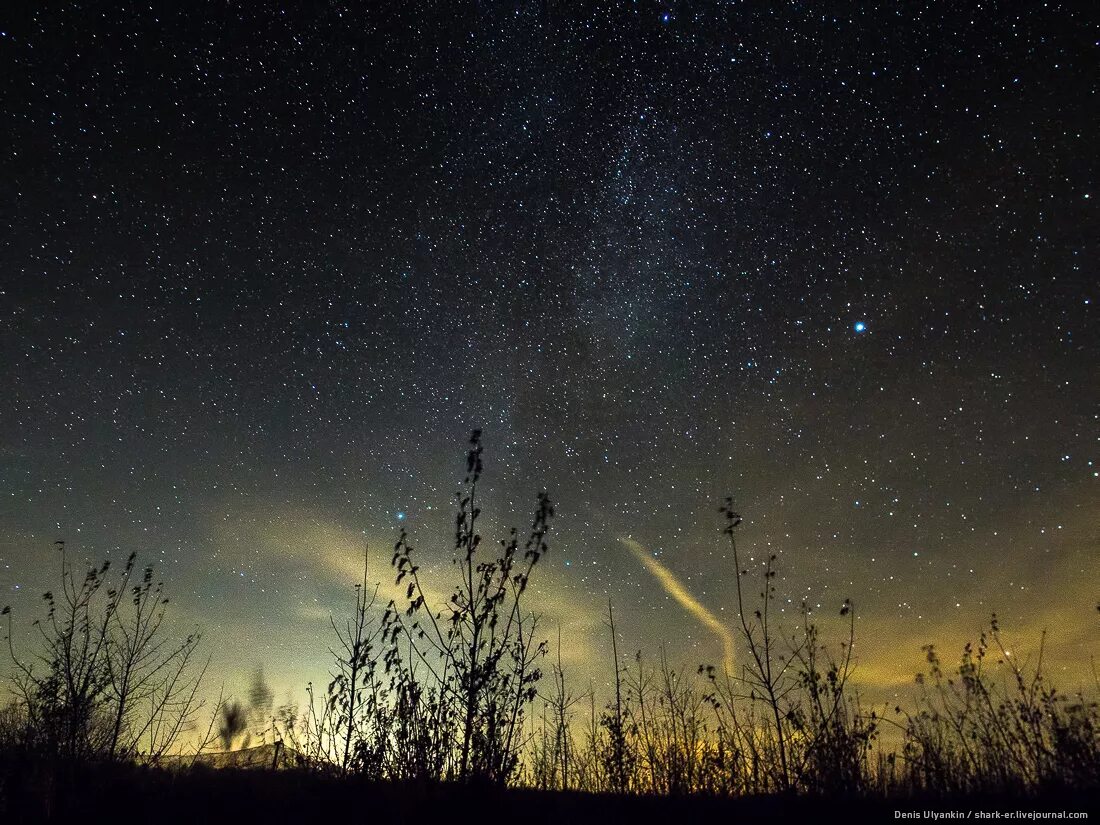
[675, 588]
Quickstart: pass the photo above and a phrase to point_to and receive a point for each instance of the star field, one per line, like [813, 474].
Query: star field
[263, 269]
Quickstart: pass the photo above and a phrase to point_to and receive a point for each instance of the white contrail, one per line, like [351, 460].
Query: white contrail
[675, 588]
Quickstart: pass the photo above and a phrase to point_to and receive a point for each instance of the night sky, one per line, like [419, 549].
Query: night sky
[263, 269]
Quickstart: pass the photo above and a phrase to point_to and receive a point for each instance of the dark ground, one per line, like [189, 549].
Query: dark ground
[145, 795]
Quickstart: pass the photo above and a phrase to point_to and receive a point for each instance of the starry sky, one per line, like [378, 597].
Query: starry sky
[264, 267]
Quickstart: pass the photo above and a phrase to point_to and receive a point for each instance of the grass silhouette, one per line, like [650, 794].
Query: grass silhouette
[445, 710]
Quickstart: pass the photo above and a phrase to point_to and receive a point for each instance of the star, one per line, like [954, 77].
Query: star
[242, 349]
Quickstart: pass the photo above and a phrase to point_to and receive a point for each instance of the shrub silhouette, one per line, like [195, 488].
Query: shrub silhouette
[105, 680]
[437, 691]
[974, 732]
[479, 651]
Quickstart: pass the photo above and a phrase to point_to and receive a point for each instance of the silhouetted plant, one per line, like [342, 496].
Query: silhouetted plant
[348, 729]
[443, 692]
[479, 651]
[975, 732]
[106, 680]
[765, 674]
[261, 706]
[833, 736]
[619, 759]
[553, 750]
[233, 722]
[788, 720]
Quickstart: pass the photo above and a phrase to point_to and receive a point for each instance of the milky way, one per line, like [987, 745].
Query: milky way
[263, 270]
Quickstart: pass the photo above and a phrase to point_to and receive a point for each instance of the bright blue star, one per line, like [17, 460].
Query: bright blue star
[666, 17]
[400, 515]
[859, 326]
